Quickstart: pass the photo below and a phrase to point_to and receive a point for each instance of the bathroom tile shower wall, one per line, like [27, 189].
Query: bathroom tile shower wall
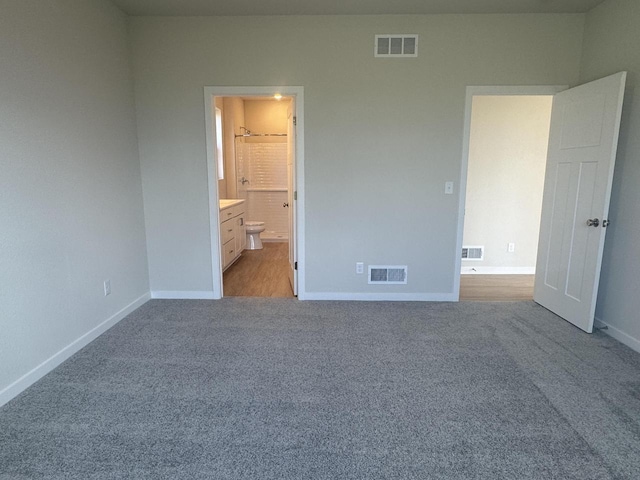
[264, 165]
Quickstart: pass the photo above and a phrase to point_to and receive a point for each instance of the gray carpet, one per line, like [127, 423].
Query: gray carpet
[279, 389]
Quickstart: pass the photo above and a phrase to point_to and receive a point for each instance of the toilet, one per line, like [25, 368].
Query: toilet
[253, 229]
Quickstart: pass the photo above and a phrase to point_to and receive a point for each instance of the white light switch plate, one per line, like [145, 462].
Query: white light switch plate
[448, 188]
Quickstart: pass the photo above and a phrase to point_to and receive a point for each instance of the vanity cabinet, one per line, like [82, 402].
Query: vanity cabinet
[233, 237]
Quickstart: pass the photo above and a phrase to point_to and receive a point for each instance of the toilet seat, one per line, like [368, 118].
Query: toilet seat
[254, 227]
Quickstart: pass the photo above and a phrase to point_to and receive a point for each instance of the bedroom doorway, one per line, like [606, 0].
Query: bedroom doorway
[583, 140]
[506, 137]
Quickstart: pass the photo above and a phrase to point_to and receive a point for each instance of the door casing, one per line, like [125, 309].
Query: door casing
[210, 92]
[472, 91]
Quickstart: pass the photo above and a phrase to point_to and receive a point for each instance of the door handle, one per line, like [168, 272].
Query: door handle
[593, 222]
[285, 204]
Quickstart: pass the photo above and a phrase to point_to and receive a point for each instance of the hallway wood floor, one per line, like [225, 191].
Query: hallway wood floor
[260, 273]
[496, 288]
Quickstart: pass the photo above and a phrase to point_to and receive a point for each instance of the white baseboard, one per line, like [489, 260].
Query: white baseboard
[619, 335]
[381, 297]
[183, 295]
[471, 270]
[31, 377]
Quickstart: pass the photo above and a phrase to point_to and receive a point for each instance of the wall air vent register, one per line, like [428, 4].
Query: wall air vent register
[388, 274]
[473, 253]
[396, 46]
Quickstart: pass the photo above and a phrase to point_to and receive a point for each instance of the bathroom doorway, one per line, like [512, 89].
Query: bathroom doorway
[256, 176]
[507, 137]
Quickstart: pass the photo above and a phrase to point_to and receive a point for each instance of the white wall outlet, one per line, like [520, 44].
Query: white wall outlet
[448, 188]
[511, 248]
[107, 287]
[359, 268]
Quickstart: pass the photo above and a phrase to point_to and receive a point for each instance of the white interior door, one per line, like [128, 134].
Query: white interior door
[291, 195]
[585, 122]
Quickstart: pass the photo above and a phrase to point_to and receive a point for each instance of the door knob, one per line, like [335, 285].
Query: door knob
[593, 222]
[285, 204]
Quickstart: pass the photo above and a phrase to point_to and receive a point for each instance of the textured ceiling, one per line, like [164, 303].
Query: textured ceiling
[348, 7]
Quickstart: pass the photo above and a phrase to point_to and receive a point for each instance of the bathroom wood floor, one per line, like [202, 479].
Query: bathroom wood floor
[496, 288]
[260, 273]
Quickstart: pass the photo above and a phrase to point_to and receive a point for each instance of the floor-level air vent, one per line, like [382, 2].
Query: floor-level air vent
[396, 46]
[388, 274]
[473, 253]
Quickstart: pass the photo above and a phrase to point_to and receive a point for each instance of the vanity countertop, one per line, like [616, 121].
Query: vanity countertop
[230, 202]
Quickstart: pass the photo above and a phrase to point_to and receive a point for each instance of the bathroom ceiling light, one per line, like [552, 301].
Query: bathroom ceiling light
[278, 96]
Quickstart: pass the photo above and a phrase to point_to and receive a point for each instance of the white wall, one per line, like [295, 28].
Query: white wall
[381, 135]
[70, 191]
[612, 36]
[507, 156]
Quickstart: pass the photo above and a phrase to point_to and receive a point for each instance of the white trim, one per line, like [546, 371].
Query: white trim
[382, 297]
[462, 193]
[498, 90]
[471, 270]
[214, 227]
[183, 295]
[214, 213]
[31, 377]
[631, 342]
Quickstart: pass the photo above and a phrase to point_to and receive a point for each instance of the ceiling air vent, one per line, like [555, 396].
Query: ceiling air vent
[396, 46]
[388, 274]
[473, 253]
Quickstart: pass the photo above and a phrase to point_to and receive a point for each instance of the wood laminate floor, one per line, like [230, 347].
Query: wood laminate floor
[260, 273]
[496, 288]
[264, 273]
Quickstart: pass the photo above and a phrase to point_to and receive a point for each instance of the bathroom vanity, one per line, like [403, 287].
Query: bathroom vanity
[233, 237]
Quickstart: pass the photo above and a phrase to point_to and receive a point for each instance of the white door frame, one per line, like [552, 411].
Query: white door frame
[212, 175]
[462, 194]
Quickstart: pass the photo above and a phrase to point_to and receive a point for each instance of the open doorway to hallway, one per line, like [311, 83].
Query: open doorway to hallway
[508, 139]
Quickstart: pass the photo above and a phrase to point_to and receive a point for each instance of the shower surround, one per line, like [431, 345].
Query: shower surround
[263, 166]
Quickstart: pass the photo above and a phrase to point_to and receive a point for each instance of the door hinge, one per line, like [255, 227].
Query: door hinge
[295, 265]
[295, 195]
[295, 120]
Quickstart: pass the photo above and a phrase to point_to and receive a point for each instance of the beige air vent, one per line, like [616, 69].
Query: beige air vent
[396, 46]
[388, 274]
